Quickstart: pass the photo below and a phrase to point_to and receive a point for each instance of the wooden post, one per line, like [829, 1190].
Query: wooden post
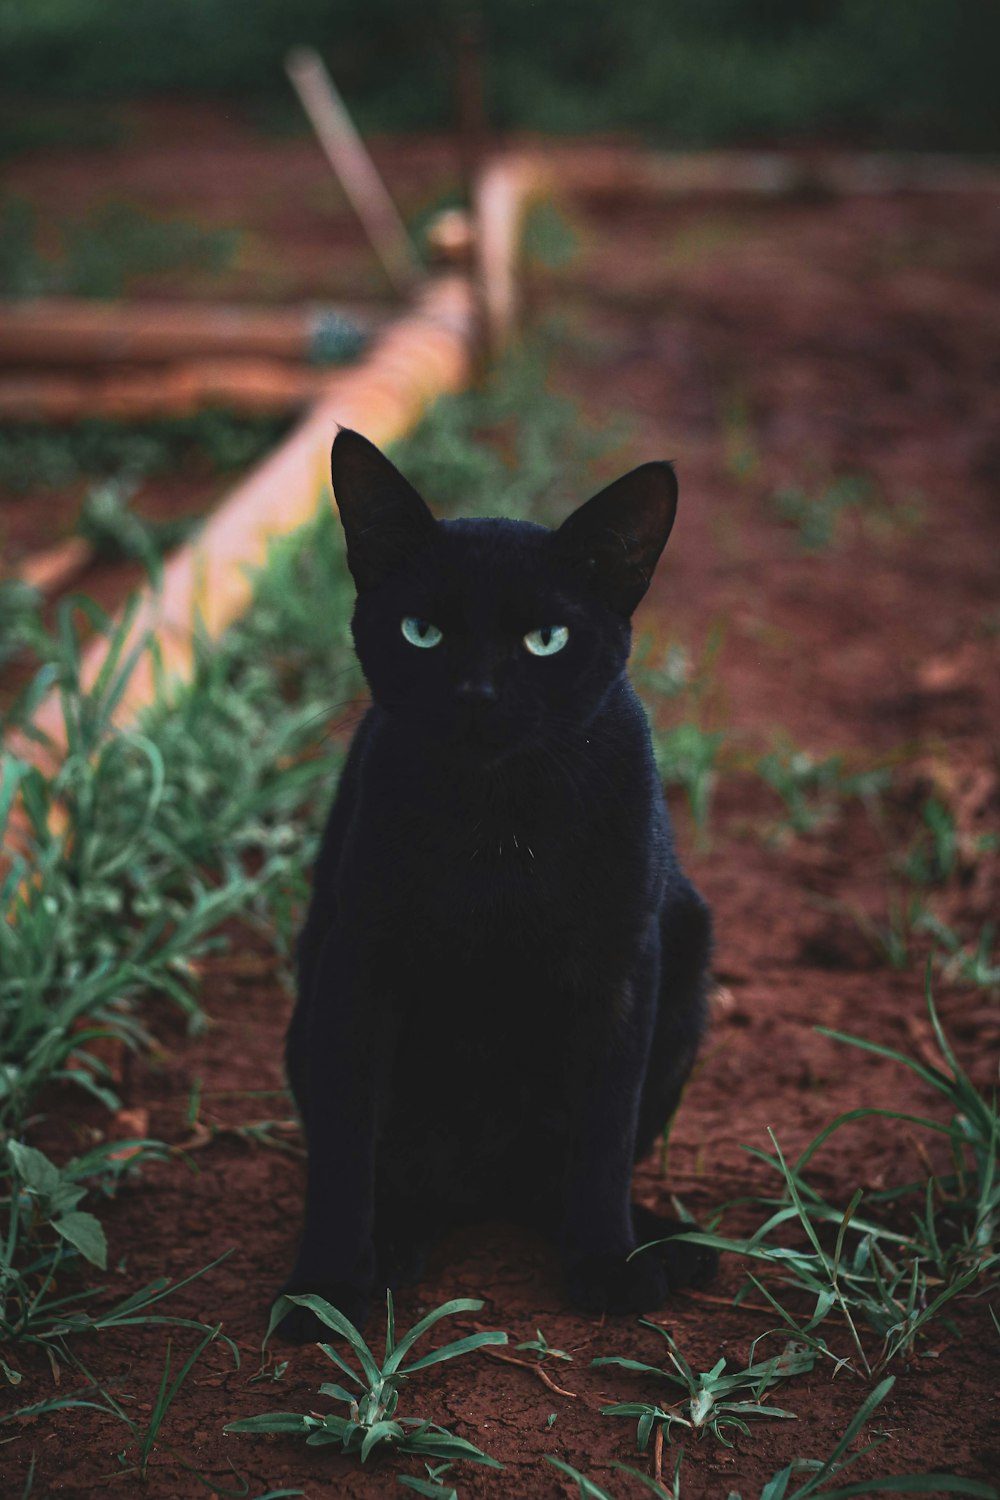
[359, 177]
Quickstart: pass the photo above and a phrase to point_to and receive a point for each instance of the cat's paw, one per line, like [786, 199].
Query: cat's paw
[300, 1325]
[617, 1284]
[686, 1265]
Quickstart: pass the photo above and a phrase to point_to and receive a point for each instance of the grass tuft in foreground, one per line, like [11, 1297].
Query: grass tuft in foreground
[708, 1404]
[821, 1472]
[872, 1278]
[371, 1423]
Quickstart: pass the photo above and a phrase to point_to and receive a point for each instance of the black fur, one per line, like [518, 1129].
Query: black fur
[502, 975]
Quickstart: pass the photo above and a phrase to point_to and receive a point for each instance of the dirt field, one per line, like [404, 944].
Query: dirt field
[762, 347]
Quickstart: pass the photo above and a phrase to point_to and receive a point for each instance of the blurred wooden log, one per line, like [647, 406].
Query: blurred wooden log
[255, 386]
[72, 331]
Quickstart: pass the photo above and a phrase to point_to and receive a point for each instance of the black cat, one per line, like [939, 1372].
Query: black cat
[502, 975]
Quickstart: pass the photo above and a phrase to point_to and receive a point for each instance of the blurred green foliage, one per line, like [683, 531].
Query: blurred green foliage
[36, 456]
[99, 254]
[902, 72]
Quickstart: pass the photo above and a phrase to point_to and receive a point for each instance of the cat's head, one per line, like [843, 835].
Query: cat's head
[490, 636]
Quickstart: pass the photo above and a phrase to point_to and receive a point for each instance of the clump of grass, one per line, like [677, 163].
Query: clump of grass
[126, 860]
[932, 859]
[115, 530]
[371, 1423]
[821, 1472]
[39, 1312]
[976, 964]
[970, 1194]
[708, 1404]
[145, 1438]
[818, 518]
[688, 756]
[940, 850]
[893, 1283]
[894, 937]
[813, 790]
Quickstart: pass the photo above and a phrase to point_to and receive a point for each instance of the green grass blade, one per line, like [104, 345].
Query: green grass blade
[446, 1310]
[588, 1489]
[452, 1351]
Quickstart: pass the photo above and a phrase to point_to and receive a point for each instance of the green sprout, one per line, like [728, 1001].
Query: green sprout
[708, 1405]
[371, 1422]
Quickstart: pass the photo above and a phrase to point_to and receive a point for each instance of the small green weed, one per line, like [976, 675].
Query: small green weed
[688, 757]
[975, 965]
[821, 1472]
[114, 530]
[708, 1405]
[932, 859]
[892, 938]
[372, 1423]
[813, 790]
[817, 519]
[541, 1347]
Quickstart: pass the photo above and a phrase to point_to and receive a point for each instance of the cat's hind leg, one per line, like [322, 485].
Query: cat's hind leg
[685, 950]
[682, 1010]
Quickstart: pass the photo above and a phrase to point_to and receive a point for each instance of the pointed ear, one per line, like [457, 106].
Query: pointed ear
[385, 520]
[617, 536]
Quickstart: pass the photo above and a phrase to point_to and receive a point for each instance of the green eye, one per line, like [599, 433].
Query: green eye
[420, 632]
[547, 641]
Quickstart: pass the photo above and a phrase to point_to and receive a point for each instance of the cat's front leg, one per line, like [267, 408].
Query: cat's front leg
[333, 1050]
[597, 1236]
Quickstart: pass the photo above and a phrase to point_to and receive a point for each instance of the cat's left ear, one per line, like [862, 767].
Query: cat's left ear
[385, 521]
[618, 535]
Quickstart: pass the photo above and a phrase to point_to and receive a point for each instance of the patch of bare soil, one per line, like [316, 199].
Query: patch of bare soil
[761, 347]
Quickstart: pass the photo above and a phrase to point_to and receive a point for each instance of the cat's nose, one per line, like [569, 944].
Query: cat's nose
[476, 690]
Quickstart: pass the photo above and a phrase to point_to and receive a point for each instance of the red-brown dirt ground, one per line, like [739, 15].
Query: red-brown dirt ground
[761, 345]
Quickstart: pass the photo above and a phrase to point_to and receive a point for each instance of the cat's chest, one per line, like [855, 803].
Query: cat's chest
[517, 881]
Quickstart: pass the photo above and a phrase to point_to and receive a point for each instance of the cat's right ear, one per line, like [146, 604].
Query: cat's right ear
[618, 535]
[385, 521]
